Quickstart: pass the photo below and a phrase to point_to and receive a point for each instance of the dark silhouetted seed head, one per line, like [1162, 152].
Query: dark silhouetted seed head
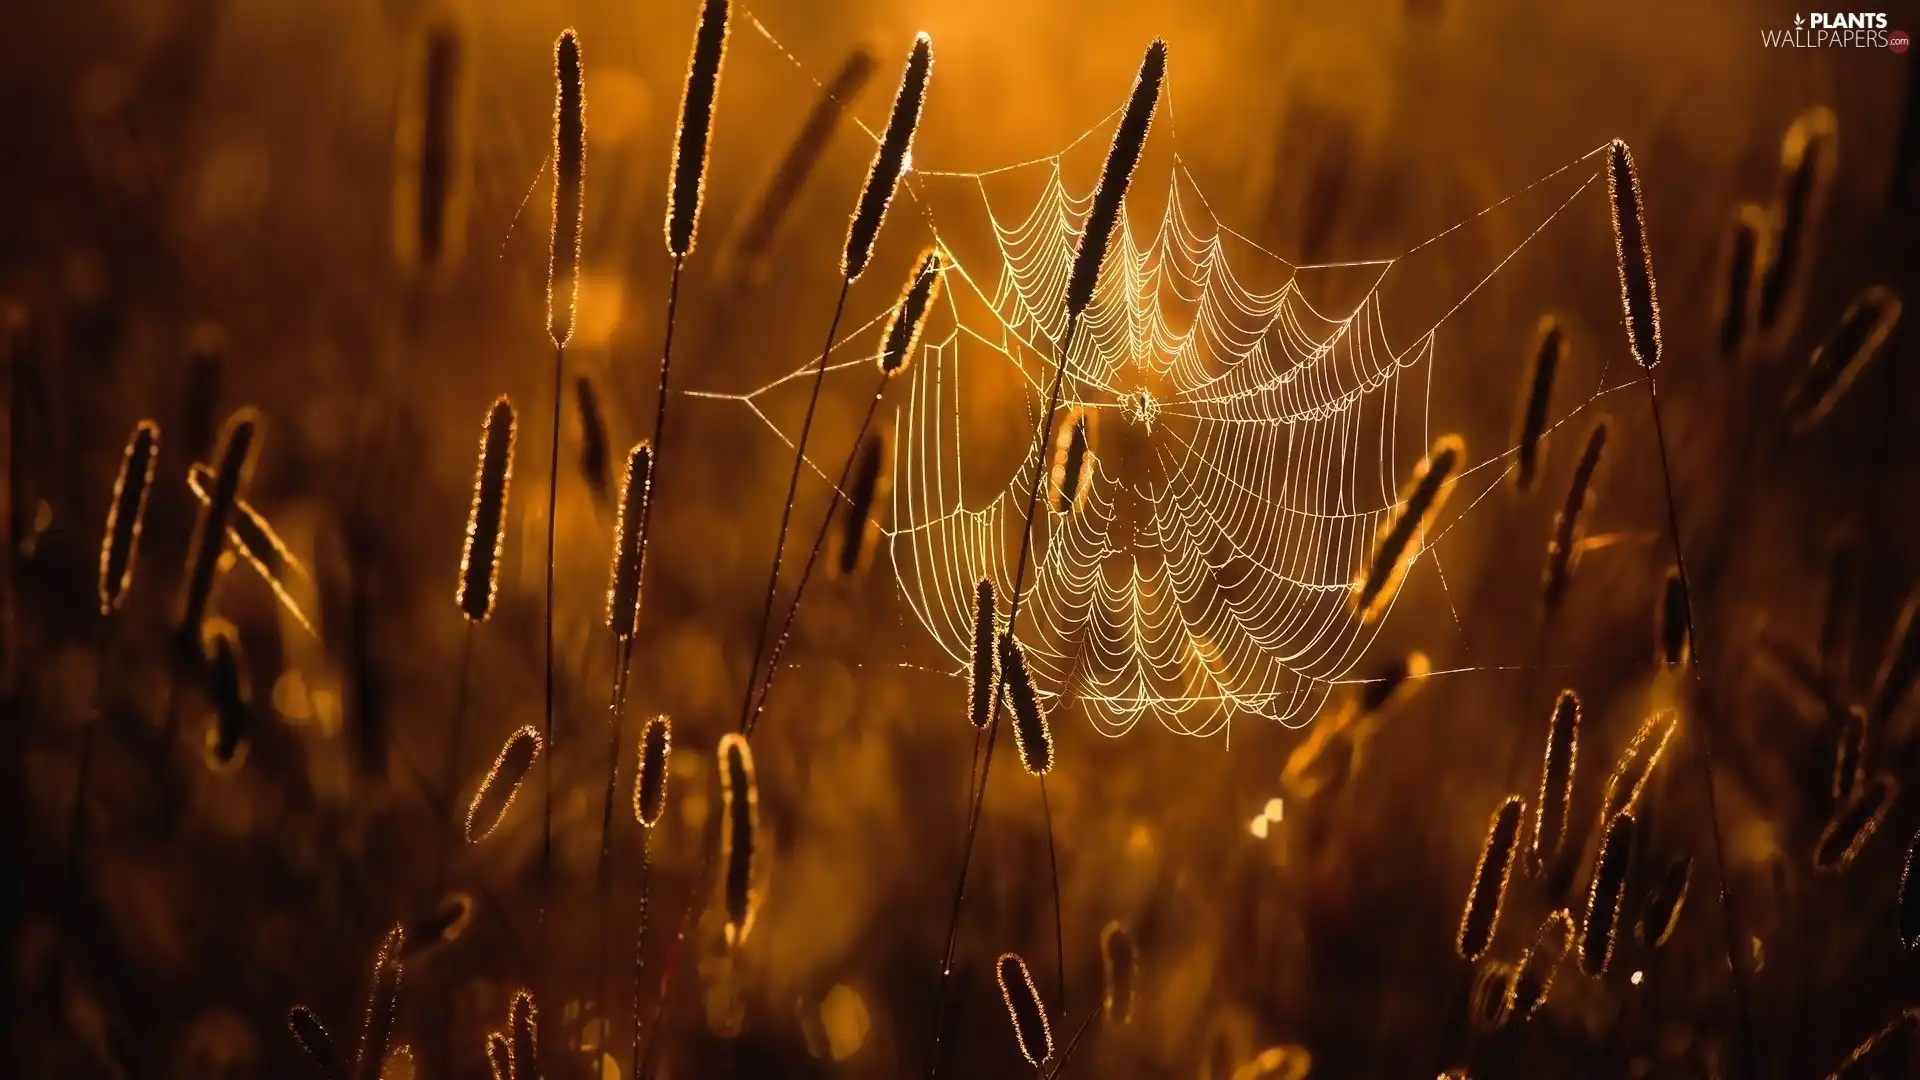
[487, 520]
[1745, 238]
[1030, 730]
[901, 338]
[693, 143]
[866, 489]
[650, 785]
[1566, 523]
[629, 551]
[1633, 257]
[1025, 1009]
[1072, 463]
[1400, 534]
[569, 187]
[1808, 157]
[1129, 139]
[739, 833]
[120, 548]
[1548, 354]
[1556, 783]
[313, 1037]
[1538, 965]
[1637, 762]
[1603, 899]
[490, 803]
[1665, 902]
[890, 161]
[752, 247]
[228, 691]
[383, 1002]
[1481, 917]
[1855, 822]
[593, 437]
[239, 441]
[427, 198]
[983, 676]
[523, 1037]
[1674, 650]
[1119, 963]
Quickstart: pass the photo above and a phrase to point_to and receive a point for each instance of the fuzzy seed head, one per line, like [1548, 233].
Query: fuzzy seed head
[1631, 254]
[983, 676]
[1556, 782]
[1129, 140]
[1030, 730]
[497, 791]
[487, 520]
[120, 548]
[1024, 1008]
[1538, 965]
[650, 785]
[1401, 533]
[1603, 900]
[569, 187]
[1481, 918]
[1548, 354]
[739, 835]
[901, 338]
[1665, 902]
[629, 543]
[890, 161]
[693, 141]
[1562, 547]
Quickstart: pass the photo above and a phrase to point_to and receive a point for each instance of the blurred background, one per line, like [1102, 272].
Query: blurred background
[206, 206]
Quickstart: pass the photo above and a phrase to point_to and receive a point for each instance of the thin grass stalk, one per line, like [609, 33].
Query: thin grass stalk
[751, 708]
[1643, 332]
[640, 946]
[651, 774]
[786, 511]
[686, 191]
[622, 649]
[883, 177]
[1116, 176]
[439, 807]
[628, 565]
[563, 294]
[1053, 866]
[899, 340]
[978, 795]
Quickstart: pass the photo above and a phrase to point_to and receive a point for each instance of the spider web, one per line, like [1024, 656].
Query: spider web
[1244, 445]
